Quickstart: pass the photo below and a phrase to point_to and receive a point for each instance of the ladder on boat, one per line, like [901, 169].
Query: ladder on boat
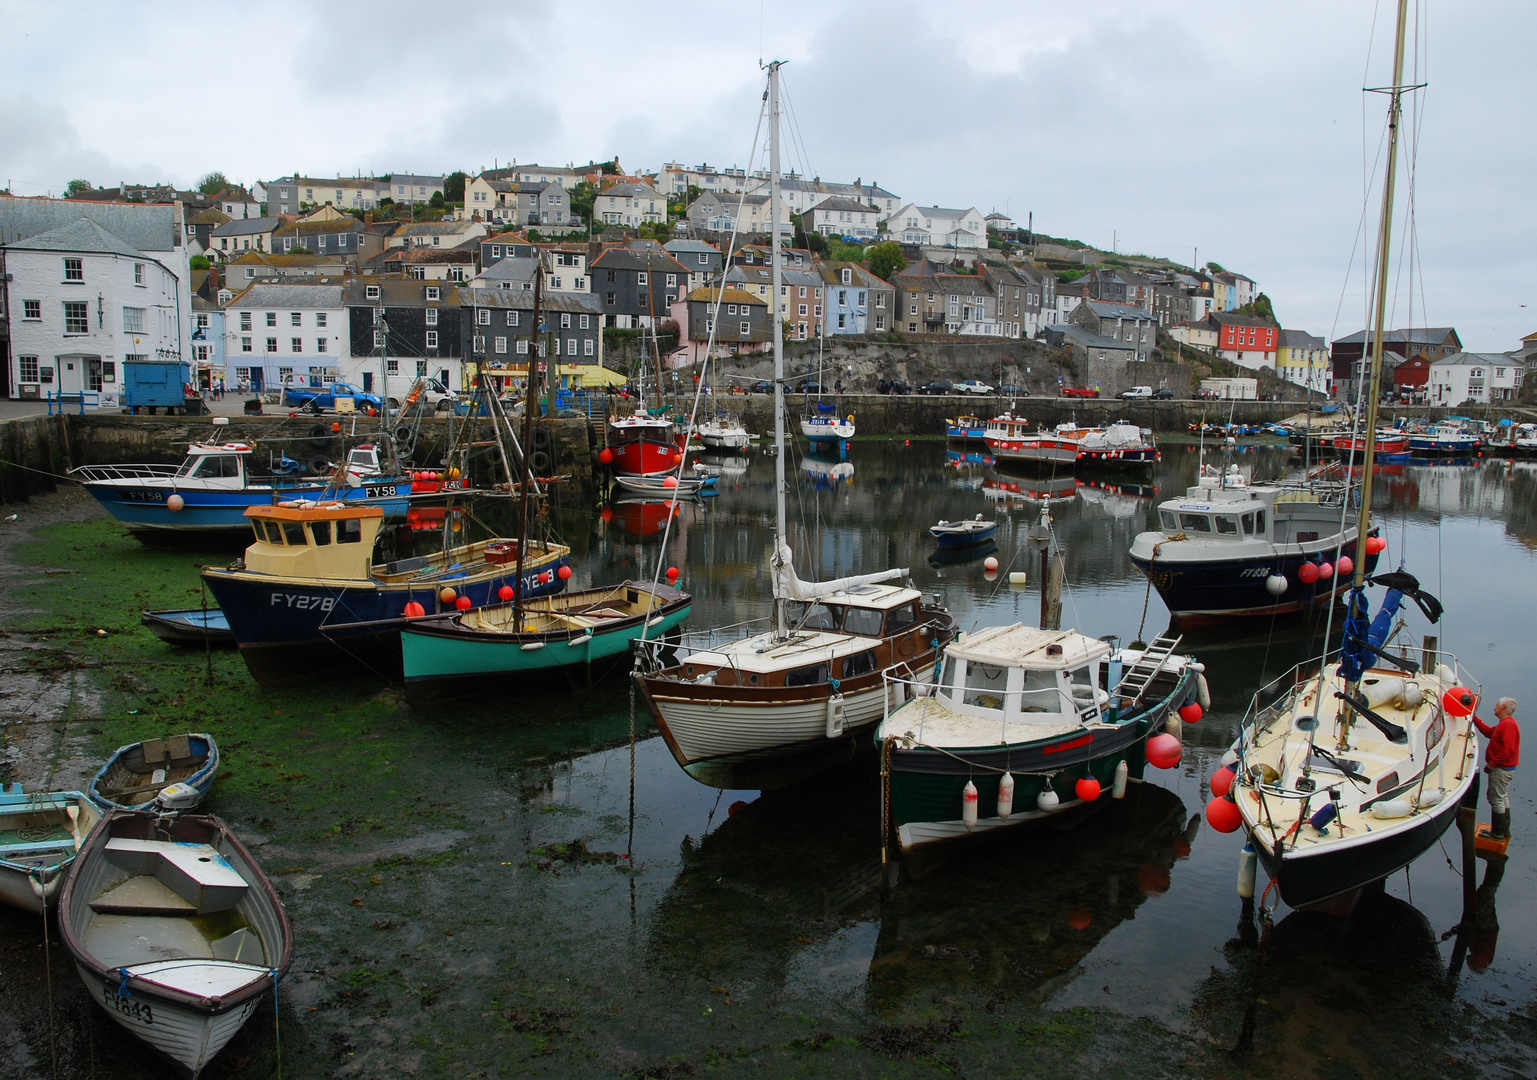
[1140, 675]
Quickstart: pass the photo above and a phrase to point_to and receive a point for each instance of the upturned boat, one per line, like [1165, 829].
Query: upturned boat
[758, 699]
[40, 836]
[210, 491]
[1227, 549]
[179, 770]
[308, 591]
[175, 931]
[1022, 724]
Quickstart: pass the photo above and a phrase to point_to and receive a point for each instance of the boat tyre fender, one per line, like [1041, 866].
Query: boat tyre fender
[540, 439]
[320, 465]
[320, 433]
[404, 434]
[539, 462]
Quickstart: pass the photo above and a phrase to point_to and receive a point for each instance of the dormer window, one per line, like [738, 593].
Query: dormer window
[371, 292]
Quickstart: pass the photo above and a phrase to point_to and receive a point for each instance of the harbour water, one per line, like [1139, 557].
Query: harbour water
[476, 892]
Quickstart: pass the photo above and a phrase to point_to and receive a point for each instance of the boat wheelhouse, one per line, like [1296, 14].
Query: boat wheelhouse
[1017, 441]
[643, 444]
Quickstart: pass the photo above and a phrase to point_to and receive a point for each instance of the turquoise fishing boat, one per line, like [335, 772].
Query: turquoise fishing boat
[40, 836]
[587, 627]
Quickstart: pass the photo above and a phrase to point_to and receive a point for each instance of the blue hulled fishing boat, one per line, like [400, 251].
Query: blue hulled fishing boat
[308, 590]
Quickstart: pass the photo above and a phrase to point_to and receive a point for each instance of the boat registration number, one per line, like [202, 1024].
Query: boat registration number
[303, 602]
[144, 496]
[1256, 572]
[126, 1005]
[383, 491]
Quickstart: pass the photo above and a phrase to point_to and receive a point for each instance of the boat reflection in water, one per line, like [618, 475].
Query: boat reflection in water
[645, 515]
[967, 459]
[810, 917]
[827, 472]
[1008, 488]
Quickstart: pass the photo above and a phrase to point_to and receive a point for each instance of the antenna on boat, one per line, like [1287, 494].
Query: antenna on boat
[525, 474]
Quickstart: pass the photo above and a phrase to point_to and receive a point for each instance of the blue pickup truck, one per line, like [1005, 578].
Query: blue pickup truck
[323, 398]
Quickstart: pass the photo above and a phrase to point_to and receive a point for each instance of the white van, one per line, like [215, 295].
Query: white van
[1138, 392]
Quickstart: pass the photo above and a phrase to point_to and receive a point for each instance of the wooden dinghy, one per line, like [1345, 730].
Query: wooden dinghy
[175, 931]
[139, 773]
[40, 835]
[192, 627]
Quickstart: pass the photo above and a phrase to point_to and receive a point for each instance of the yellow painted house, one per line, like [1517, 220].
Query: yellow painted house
[1303, 359]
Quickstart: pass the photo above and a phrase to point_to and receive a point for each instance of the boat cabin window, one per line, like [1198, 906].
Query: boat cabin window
[349, 531]
[807, 676]
[1041, 694]
[863, 621]
[217, 465]
[900, 618]
[321, 531]
[293, 531]
[260, 529]
[1248, 524]
[1168, 520]
[985, 685]
[1084, 686]
[1195, 523]
[817, 616]
[862, 664]
[1227, 525]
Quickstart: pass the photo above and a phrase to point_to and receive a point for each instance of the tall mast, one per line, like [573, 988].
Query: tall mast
[781, 624]
[1384, 229]
[526, 473]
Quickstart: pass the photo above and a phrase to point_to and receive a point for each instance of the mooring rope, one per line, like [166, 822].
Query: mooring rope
[42, 888]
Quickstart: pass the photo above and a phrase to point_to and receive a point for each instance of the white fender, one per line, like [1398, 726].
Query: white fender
[837, 720]
[969, 805]
[1392, 808]
[1202, 692]
[1005, 796]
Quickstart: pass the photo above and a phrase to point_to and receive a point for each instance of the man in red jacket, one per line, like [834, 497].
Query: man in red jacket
[1500, 760]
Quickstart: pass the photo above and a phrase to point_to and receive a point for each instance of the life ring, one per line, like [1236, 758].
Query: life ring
[905, 645]
[539, 462]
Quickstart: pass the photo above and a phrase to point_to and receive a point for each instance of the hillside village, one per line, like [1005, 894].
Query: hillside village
[322, 279]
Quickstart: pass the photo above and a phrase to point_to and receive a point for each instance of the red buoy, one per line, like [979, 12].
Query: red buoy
[1222, 780]
[1087, 789]
[1346, 566]
[414, 610]
[505, 592]
[606, 456]
[1223, 815]
[607, 514]
[1190, 712]
[1307, 573]
[564, 573]
[463, 603]
[447, 595]
[1325, 571]
[672, 574]
[1163, 751]
[1458, 701]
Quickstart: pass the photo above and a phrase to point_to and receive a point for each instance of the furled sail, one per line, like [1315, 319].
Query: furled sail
[787, 586]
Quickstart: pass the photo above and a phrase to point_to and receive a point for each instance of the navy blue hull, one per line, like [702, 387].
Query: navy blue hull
[284, 628]
[1206, 592]
[966, 540]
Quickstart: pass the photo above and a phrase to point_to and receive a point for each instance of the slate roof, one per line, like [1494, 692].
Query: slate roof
[1087, 338]
[624, 258]
[838, 202]
[1299, 339]
[693, 246]
[248, 226]
[143, 227]
[524, 300]
[1463, 359]
[265, 294]
[511, 269]
[727, 296]
[317, 228]
[83, 235]
[1421, 335]
[1107, 310]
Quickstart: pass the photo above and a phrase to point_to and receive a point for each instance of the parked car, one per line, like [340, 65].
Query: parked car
[319, 398]
[1134, 392]
[1080, 391]
[1163, 394]
[938, 386]
[1207, 395]
[972, 386]
[893, 386]
[763, 386]
[435, 397]
[1010, 390]
[807, 386]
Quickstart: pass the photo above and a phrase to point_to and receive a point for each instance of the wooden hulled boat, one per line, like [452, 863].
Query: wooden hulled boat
[309, 592]
[137, 773]
[40, 836]
[175, 931]
[642, 444]
[1015, 441]
[574, 629]
[1017, 717]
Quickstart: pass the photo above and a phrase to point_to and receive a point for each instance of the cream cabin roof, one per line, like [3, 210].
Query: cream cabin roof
[1025, 646]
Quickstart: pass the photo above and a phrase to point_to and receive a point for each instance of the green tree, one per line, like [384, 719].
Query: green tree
[298, 249]
[436, 202]
[1259, 308]
[212, 182]
[886, 259]
[609, 168]
[78, 187]
[582, 198]
[453, 186]
[198, 262]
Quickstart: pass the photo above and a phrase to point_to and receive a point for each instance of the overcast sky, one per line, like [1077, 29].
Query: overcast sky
[1233, 128]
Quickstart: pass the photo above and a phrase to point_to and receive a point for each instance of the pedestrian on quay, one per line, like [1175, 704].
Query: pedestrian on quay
[1501, 757]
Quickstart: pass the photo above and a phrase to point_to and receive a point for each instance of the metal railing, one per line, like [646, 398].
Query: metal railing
[124, 472]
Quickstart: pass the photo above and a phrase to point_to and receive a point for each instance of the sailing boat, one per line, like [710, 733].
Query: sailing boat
[519, 637]
[824, 425]
[1346, 771]
[724, 430]
[815, 678]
